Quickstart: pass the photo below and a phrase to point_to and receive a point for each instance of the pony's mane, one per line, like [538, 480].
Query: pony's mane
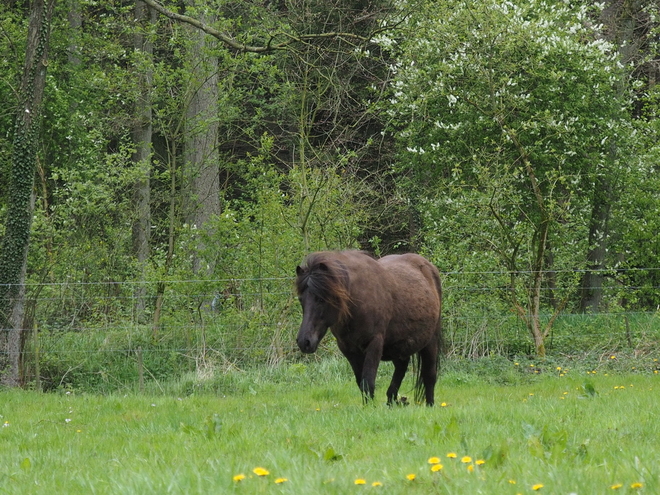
[325, 277]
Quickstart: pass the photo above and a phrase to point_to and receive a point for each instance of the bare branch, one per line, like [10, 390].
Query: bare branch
[268, 47]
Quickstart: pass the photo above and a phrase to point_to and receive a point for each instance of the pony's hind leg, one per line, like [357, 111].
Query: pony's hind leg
[400, 368]
[429, 371]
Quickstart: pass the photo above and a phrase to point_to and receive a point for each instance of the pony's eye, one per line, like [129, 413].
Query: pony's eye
[318, 300]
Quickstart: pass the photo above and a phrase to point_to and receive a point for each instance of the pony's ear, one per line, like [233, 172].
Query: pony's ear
[323, 267]
[299, 271]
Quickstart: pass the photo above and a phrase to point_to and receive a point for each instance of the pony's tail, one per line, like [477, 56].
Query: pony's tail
[441, 350]
[419, 380]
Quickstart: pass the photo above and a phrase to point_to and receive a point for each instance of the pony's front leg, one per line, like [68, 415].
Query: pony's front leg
[372, 356]
[356, 360]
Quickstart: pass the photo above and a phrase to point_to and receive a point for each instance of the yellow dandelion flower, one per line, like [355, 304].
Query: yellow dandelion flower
[436, 467]
[360, 481]
[616, 486]
[444, 404]
[637, 485]
[411, 477]
[376, 483]
[239, 477]
[281, 480]
[512, 482]
[434, 460]
[466, 459]
[470, 468]
[537, 487]
[480, 462]
[452, 455]
[259, 471]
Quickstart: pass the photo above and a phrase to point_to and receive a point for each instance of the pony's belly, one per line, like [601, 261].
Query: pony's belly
[402, 349]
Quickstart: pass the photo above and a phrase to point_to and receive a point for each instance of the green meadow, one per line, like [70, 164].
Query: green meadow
[303, 429]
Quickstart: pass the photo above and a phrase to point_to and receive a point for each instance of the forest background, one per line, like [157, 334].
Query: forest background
[164, 166]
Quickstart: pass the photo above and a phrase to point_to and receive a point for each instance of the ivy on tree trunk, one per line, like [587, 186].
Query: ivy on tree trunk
[14, 249]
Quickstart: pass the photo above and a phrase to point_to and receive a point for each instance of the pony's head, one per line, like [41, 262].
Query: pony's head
[322, 286]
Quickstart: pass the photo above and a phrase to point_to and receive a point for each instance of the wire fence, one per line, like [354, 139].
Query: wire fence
[108, 333]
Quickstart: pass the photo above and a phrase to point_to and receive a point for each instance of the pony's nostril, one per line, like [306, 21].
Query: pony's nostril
[305, 345]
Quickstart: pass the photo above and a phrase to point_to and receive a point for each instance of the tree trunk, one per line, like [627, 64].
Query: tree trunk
[591, 293]
[14, 249]
[532, 315]
[623, 17]
[160, 286]
[142, 131]
[538, 332]
[201, 157]
[75, 24]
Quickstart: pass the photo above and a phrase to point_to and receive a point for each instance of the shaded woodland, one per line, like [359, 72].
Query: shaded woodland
[147, 144]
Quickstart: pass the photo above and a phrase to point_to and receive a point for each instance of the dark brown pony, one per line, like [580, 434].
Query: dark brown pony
[387, 309]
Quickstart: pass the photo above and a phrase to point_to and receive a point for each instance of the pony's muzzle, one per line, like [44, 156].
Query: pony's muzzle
[306, 345]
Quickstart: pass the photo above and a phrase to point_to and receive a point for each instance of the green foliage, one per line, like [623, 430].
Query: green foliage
[635, 220]
[279, 217]
[252, 248]
[544, 82]
[506, 116]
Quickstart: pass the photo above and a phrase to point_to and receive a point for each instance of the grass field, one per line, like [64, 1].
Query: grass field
[306, 428]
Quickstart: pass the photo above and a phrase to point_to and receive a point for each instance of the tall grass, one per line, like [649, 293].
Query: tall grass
[568, 430]
[121, 358]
